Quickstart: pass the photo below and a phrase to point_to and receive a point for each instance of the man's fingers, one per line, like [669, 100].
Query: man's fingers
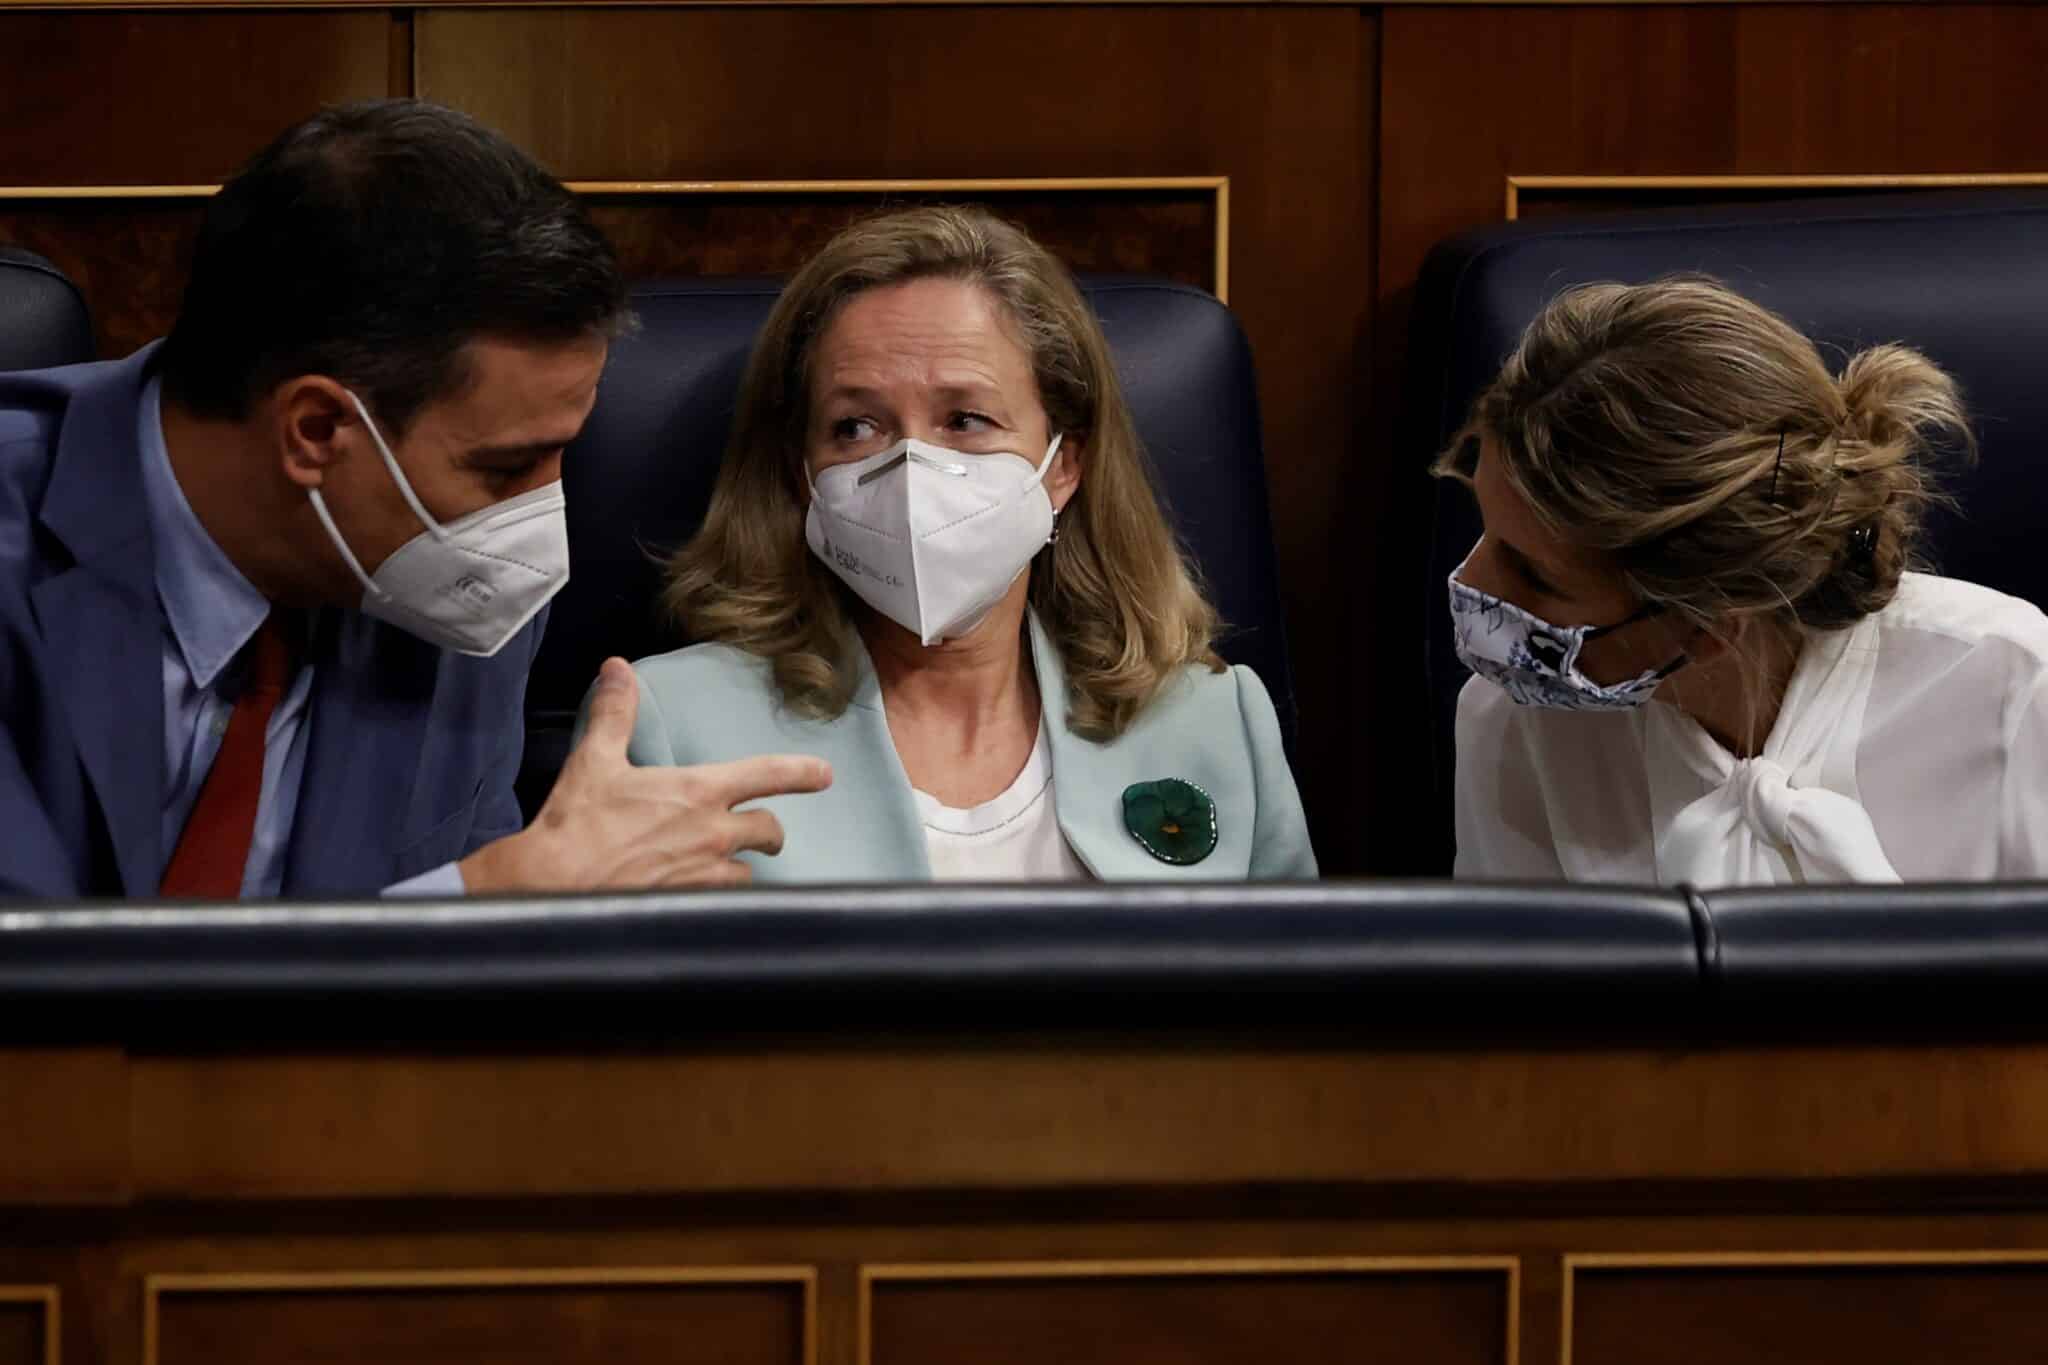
[730, 872]
[757, 830]
[750, 779]
[614, 705]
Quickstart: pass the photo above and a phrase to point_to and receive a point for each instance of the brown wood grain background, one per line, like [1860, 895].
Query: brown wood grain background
[1353, 138]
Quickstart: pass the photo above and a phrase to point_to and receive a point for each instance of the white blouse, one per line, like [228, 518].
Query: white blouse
[1013, 837]
[1911, 746]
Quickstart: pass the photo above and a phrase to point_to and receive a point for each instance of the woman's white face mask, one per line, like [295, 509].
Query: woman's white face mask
[1537, 663]
[929, 537]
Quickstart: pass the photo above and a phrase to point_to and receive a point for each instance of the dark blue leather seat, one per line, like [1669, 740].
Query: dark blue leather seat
[43, 321]
[1960, 275]
[639, 477]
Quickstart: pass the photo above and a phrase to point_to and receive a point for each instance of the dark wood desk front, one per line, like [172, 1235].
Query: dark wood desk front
[1070, 1199]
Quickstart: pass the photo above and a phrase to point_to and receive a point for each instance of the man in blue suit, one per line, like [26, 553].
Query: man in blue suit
[270, 589]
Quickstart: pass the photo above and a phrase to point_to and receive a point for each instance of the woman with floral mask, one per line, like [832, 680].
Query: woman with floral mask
[934, 556]
[1702, 652]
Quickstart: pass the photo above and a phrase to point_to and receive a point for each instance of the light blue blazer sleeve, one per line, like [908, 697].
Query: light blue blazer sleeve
[649, 747]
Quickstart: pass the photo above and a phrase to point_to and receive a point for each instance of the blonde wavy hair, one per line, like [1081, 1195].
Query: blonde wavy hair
[1699, 440]
[1114, 591]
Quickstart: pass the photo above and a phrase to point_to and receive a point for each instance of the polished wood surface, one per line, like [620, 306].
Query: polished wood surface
[1531, 195]
[126, 255]
[28, 1325]
[125, 246]
[1470, 97]
[746, 1121]
[68, 1143]
[1179, 1196]
[153, 99]
[615, 1317]
[1162, 1313]
[171, 98]
[1970, 1308]
[1175, 233]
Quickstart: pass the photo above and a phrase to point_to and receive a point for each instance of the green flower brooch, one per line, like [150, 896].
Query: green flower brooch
[1172, 820]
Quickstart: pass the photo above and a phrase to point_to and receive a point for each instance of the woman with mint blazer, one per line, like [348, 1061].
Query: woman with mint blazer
[1215, 731]
[934, 558]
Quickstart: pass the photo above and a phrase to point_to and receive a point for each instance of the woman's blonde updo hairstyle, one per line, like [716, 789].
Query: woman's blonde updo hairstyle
[1646, 421]
[1113, 591]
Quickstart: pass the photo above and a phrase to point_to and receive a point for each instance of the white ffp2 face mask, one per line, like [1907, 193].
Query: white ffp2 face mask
[472, 584]
[931, 538]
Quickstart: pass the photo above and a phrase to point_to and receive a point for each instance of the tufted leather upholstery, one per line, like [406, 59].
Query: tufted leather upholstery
[639, 477]
[1961, 275]
[43, 322]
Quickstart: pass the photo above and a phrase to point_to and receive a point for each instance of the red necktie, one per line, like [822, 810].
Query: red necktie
[214, 849]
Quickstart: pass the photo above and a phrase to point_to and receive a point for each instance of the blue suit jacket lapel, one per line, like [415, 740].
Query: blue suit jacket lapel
[101, 620]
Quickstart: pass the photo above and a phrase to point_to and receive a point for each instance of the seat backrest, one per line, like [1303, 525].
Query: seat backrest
[639, 477]
[1960, 275]
[43, 321]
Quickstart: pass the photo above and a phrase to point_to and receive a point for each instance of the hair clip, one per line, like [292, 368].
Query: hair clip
[1777, 464]
[1863, 542]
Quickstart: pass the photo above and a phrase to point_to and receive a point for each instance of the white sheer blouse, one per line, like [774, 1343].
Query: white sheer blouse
[1912, 746]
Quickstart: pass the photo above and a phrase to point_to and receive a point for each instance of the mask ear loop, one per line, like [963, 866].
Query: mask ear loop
[1644, 613]
[348, 556]
[1038, 479]
[434, 528]
[1043, 465]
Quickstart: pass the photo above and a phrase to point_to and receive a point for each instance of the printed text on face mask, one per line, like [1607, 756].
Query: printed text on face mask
[852, 564]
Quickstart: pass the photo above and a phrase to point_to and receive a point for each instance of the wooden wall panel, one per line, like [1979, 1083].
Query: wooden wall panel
[579, 1319]
[1413, 1316]
[1278, 99]
[128, 256]
[1959, 1312]
[28, 1325]
[63, 1126]
[171, 98]
[1173, 233]
[1470, 95]
[1069, 1115]
[155, 99]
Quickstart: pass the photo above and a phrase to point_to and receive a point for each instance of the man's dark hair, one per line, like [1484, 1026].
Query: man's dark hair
[371, 243]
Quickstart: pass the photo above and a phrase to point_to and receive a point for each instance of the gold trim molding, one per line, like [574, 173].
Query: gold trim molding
[1995, 180]
[1217, 186]
[941, 1272]
[155, 1287]
[1574, 1262]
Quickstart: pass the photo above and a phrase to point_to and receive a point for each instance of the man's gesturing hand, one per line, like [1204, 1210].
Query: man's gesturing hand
[608, 824]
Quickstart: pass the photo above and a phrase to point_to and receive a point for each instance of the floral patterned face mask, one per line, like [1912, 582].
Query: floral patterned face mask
[1537, 663]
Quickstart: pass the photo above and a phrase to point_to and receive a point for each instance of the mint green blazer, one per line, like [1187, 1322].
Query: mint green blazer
[710, 703]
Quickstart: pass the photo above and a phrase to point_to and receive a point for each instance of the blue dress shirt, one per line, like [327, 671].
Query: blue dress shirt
[210, 612]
